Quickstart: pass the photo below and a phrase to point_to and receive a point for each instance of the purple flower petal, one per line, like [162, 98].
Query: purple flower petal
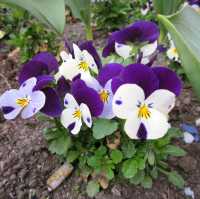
[7, 109]
[47, 59]
[43, 81]
[141, 31]
[52, 105]
[142, 132]
[141, 75]
[116, 83]
[89, 96]
[168, 79]
[108, 72]
[63, 87]
[88, 45]
[32, 69]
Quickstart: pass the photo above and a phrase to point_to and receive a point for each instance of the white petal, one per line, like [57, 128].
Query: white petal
[69, 69]
[107, 109]
[70, 102]
[90, 60]
[27, 87]
[172, 54]
[145, 60]
[37, 102]
[123, 50]
[126, 99]
[188, 138]
[13, 114]
[91, 82]
[77, 127]
[149, 49]
[156, 125]
[65, 56]
[86, 115]
[161, 100]
[132, 125]
[67, 117]
[77, 52]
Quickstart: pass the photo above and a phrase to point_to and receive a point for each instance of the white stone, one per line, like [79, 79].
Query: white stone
[188, 138]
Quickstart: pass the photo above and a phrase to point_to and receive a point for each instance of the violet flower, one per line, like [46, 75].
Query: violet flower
[41, 66]
[25, 100]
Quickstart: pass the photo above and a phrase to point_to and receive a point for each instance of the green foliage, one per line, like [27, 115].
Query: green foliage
[129, 168]
[174, 151]
[116, 156]
[92, 188]
[176, 179]
[103, 127]
[184, 28]
[43, 11]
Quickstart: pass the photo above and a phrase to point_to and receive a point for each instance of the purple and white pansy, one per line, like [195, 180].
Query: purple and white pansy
[145, 118]
[73, 114]
[25, 101]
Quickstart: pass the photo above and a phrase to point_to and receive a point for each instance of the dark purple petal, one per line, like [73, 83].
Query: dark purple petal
[168, 79]
[88, 45]
[63, 87]
[142, 132]
[43, 81]
[52, 105]
[32, 69]
[7, 109]
[47, 59]
[108, 72]
[89, 96]
[116, 83]
[141, 75]
[161, 48]
[140, 31]
[71, 126]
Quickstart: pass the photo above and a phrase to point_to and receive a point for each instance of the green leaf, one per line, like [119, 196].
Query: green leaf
[154, 173]
[176, 179]
[128, 149]
[94, 161]
[147, 182]
[116, 156]
[138, 178]
[92, 188]
[108, 172]
[72, 156]
[101, 151]
[173, 150]
[151, 158]
[50, 12]
[60, 145]
[129, 168]
[103, 128]
[167, 7]
[184, 28]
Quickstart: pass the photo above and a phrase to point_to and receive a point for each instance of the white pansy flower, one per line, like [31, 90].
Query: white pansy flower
[145, 118]
[73, 115]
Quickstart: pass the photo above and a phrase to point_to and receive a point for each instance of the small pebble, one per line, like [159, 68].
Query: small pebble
[188, 138]
[197, 122]
[188, 192]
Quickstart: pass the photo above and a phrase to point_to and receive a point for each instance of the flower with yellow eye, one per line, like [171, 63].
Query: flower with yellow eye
[73, 115]
[145, 118]
[25, 100]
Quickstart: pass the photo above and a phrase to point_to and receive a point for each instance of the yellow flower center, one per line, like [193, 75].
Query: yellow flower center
[77, 114]
[23, 102]
[84, 65]
[144, 112]
[104, 96]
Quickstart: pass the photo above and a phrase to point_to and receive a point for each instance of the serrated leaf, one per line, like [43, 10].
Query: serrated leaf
[147, 182]
[129, 168]
[116, 156]
[174, 150]
[184, 28]
[176, 179]
[103, 128]
[60, 145]
[92, 188]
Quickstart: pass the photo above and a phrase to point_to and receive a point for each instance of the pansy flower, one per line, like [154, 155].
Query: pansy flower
[141, 31]
[195, 4]
[82, 64]
[146, 118]
[42, 66]
[73, 115]
[149, 79]
[25, 100]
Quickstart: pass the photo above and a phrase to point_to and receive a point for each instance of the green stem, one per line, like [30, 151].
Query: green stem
[89, 33]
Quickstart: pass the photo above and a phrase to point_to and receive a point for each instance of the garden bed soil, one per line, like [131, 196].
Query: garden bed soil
[26, 164]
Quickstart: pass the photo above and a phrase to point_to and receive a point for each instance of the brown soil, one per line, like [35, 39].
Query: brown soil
[26, 164]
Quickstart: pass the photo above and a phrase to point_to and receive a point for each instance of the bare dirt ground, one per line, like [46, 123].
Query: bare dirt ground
[26, 164]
